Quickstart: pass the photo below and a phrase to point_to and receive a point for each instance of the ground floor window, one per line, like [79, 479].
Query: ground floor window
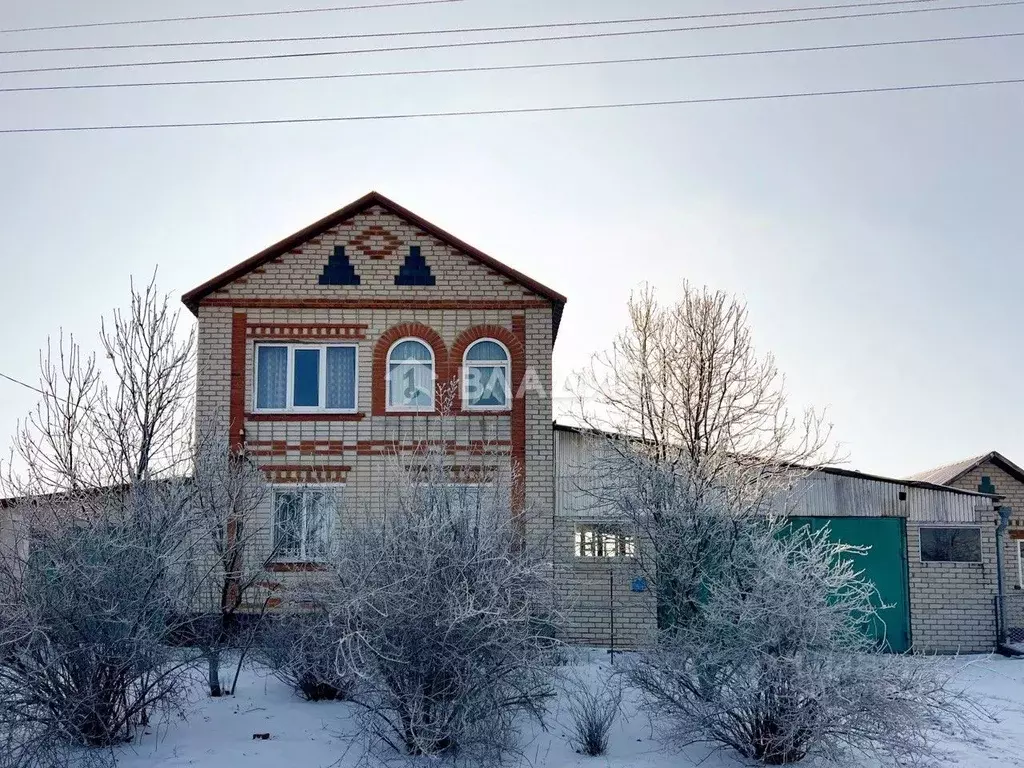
[948, 544]
[304, 522]
[1020, 563]
[603, 540]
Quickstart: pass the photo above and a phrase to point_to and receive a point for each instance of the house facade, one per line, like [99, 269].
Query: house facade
[994, 473]
[371, 333]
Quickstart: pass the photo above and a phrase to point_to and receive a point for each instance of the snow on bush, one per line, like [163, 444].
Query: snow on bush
[778, 664]
[444, 614]
[85, 621]
[302, 650]
[593, 707]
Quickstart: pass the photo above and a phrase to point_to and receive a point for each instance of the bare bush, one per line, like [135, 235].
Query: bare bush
[302, 650]
[593, 707]
[87, 615]
[445, 614]
[779, 664]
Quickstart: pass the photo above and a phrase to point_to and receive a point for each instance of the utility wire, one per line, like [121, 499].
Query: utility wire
[509, 67]
[519, 110]
[83, 25]
[464, 30]
[472, 43]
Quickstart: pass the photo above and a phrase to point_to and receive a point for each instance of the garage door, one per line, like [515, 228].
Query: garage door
[884, 564]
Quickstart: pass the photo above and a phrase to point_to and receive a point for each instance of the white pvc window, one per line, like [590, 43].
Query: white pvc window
[410, 376]
[485, 376]
[306, 377]
[1020, 563]
[304, 522]
[594, 540]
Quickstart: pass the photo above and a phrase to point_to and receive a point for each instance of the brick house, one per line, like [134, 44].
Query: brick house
[995, 474]
[332, 349]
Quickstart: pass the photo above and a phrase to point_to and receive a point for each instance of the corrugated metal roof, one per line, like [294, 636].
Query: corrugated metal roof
[825, 492]
[949, 473]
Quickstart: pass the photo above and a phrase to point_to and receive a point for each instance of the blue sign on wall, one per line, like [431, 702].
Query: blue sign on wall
[639, 584]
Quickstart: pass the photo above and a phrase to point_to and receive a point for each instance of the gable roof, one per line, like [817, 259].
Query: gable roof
[197, 294]
[950, 473]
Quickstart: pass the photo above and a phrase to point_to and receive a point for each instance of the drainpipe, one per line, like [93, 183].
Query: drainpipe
[1004, 522]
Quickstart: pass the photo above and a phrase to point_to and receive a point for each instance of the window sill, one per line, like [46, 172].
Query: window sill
[296, 566]
[305, 416]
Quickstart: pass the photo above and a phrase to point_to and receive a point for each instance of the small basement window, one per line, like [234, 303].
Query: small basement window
[597, 540]
[950, 545]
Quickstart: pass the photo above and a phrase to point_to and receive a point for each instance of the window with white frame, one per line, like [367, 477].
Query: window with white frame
[485, 376]
[1020, 563]
[306, 377]
[410, 382]
[603, 540]
[950, 544]
[304, 521]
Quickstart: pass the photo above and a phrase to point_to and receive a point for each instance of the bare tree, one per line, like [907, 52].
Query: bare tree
[684, 410]
[147, 414]
[55, 446]
[780, 665]
[89, 606]
[228, 494]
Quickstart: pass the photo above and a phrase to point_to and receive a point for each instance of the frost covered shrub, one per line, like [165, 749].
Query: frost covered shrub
[302, 651]
[437, 604]
[593, 707]
[86, 618]
[777, 664]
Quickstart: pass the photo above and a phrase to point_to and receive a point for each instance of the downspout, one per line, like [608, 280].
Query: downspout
[1004, 522]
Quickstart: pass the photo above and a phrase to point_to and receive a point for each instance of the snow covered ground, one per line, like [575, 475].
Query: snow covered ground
[219, 732]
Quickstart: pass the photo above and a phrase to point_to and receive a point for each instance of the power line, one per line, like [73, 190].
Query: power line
[83, 25]
[519, 110]
[510, 67]
[472, 43]
[463, 30]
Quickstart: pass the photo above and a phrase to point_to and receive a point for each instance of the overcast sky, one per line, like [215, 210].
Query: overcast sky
[876, 238]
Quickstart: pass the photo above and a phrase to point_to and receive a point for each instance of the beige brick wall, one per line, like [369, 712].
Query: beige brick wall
[287, 291]
[1012, 491]
[951, 604]
[600, 605]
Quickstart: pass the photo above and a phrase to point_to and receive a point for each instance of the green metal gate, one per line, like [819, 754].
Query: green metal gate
[885, 563]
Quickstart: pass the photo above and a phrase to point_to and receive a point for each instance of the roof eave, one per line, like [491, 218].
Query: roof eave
[193, 298]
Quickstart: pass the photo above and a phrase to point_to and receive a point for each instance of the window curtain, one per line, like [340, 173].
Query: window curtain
[288, 525]
[271, 377]
[341, 377]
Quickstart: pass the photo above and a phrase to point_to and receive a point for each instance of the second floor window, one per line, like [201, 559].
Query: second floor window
[485, 376]
[305, 377]
[410, 376]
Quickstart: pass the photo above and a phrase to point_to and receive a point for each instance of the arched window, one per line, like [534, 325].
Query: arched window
[485, 376]
[410, 376]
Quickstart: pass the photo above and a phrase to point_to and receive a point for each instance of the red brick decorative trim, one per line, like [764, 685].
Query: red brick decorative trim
[307, 331]
[306, 473]
[245, 303]
[380, 364]
[361, 242]
[372, 448]
[477, 332]
[519, 423]
[236, 402]
[305, 416]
